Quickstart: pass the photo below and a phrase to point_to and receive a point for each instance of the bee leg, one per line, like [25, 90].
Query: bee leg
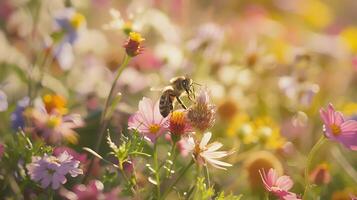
[181, 103]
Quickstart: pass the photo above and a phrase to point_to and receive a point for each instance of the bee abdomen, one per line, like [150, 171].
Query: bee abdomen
[165, 105]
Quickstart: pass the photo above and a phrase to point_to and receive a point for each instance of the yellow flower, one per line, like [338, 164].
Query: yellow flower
[55, 103]
[262, 130]
[77, 20]
[316, 13]
[348, 36]
[350, 109]
[268, 133]
[136, 37]
[241, 126]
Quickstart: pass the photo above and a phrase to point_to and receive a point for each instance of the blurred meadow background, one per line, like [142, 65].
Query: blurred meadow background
[268, 67]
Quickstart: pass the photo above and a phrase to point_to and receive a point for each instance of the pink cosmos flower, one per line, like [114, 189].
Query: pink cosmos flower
[336, 128]
[279, 186]
[148, 120]
[51, 170]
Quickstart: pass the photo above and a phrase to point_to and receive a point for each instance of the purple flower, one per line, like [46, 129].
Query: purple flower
[17, 117]
[148, 120]
[336, 128]
[70, 24]
[54, 128]
[50, 170]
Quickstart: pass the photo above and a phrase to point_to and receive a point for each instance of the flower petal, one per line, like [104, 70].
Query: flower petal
[205, 139]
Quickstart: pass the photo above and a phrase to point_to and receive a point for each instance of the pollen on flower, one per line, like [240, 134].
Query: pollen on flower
[134, 36]
[178, 124]
[53, 121]
[76, 20]
[133, 45]
[336, 130]
[154, 128]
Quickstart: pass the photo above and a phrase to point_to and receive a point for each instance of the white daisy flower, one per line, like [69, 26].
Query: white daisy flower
[207, 153]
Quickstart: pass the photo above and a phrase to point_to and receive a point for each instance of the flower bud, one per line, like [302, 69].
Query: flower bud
[320, 175]
[133, 45]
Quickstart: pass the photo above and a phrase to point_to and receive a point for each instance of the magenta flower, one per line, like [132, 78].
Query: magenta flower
[92, 191]
[2, 150]
[336, 128]
[278, 186]
[50, 170]
[148, 120]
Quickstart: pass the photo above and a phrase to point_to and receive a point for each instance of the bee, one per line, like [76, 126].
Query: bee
[178, 86]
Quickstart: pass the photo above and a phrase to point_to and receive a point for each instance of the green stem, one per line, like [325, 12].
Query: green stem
[183, 172]
[266, 196]
[311, 155]
[157, 174]
[206, 173]
[103, 121]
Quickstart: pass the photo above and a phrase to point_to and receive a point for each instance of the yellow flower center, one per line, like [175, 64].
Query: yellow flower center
[76, 20]
[177, 117]
[54, 121]
[336, 130]
[154, 128]
[136, 37]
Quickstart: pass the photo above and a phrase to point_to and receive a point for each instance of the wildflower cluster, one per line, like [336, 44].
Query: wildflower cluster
[109, 100]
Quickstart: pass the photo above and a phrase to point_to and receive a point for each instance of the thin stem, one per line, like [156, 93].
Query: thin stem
[311, 155]
[108, 100]
[266, 196]
[103, 120]
[206, 173]
[157, 174]
[343, 162]
[183, 172]
[173, 155]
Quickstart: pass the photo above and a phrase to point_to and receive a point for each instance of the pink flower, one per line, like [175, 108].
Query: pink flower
[50, 170]
[279, 186]
[2, 149]
[148, 120]
[54, 127]
[338, 129]
[92, 191]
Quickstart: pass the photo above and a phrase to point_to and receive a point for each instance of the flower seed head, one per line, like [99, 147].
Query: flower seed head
[202, 114]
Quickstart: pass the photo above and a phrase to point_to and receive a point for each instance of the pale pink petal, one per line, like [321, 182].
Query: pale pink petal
[264, 180]
[349, 126]
[146, 109]
[284, 183]
[271, 177]
[214, 146]
[331, 113]
[218, 162]
[205, 139]
[157, 117]
[349, 141]
[216, 154]
[324, 116]
[339, 118]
